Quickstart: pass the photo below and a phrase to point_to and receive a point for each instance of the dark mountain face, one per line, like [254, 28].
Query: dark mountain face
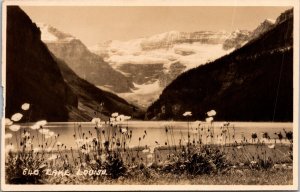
[90, 98]
[32, 74]
[254, 83]
[88, 65]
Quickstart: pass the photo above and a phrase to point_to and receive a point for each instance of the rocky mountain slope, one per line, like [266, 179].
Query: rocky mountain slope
[85, 64]
[253, 83]
[93, 100]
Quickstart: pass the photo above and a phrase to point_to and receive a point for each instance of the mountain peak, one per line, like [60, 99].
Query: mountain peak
[51, 34]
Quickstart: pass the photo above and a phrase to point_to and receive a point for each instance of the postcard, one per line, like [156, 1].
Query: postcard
[150, 95]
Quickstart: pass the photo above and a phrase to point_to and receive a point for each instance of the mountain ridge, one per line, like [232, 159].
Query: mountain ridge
[253, 83]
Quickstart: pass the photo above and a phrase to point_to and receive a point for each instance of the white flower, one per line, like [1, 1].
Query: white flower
[26, 134]
[239, 147]
[16, 117]
[44, 131]
[112, 119]
[37, 149]
[9, 148]
[49, 149]
[120, 118]
[209, 119]
[103, 157]
[79, 142]
[52, 157]
[96, 121]
[35, 127]
[51, 134]
[124, 130]
[194, 131]
[41, 123]
[93, 161]
[115, 114]
[146, 151]
[271, 146]
[187, 113]
[8, 122]
[149, 156]
[15, 127]
[8, 135]
[211, 113]
[28, 142]
[25, 106]
[127, 117]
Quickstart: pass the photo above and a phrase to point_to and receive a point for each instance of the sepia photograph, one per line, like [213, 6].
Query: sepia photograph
[138, 95]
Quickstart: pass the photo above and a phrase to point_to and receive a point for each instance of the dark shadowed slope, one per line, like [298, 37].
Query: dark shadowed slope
[90, 98]
[32, 74]
[254, 83]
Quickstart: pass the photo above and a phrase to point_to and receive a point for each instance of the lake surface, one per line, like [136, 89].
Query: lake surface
[153, 133]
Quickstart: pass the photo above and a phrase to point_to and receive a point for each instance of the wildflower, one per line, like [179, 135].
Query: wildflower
[8, 122]
[115, 114]
[9, 148]
[16, 117]
[8, 135]
[43, 165]
[271, 146]
[127, 117]
[146, 151]
[187, 113]
[103, 157]
[41, 123]
[79, 141]
[239, 147]
[253, 162]
[15, 127]
[93, 161]
[35, 127]
[123, 130]
[52, 157]
[26, 134]
[209, 119]
[211, 113]
[149, 156]
[120, 118]
[44, 131]
[28, 143]
[51, 133]
[25, 106]
[96, 121]
[37, 149]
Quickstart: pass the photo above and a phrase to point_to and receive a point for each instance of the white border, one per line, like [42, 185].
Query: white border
[294, 3]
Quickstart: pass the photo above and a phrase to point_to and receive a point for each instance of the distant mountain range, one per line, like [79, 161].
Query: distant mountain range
[139, 69]
[155, 61]
[54, 91]
[253, 83]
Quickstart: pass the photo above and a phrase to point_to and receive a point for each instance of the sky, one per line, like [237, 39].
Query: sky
[94, 25]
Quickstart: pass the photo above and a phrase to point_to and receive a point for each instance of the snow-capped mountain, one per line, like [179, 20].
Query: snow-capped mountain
[85, 64]
[139, 69]
[156, 60]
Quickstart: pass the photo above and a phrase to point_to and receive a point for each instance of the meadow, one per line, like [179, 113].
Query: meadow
[112, 153]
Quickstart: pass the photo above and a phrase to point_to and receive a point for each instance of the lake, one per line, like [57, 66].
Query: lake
[153, 133]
